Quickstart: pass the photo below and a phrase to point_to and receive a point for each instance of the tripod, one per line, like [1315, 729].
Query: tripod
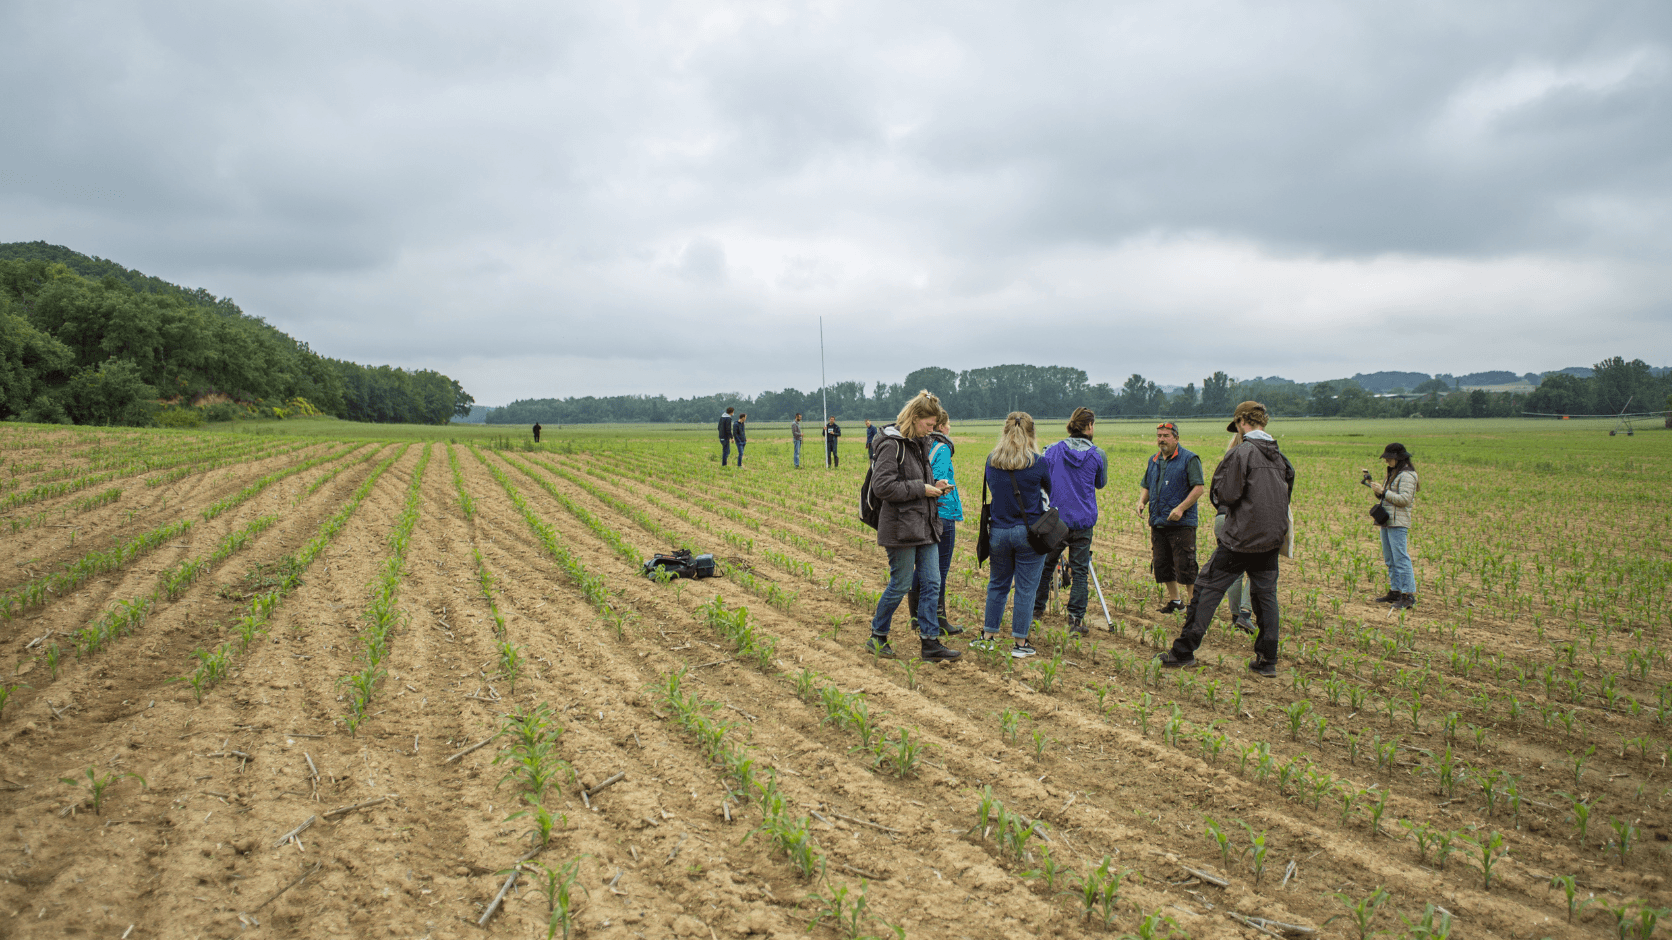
[1060, 578]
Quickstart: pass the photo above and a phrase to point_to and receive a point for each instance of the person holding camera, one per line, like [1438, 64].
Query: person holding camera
[1172, 485]
[1254, 483]
[1020, 483]
[907, 496]
[832, 434]
[1078, 470]
[1398, 495]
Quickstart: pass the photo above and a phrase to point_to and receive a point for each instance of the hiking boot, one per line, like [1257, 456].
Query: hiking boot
[1262, 669]
[1387, 598]
[1022, 650]
[1244, 624]
[1405, 602]
[1171, 607]
[987, 643]
[1169, 660]
[948, 628]
[1077, 626]
[937, 652]
[879, 645]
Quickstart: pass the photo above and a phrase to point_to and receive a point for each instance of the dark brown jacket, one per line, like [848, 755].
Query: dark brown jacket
[901, 470]
[1253, 483]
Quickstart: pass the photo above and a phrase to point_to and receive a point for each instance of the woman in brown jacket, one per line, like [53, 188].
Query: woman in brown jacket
[905, 492]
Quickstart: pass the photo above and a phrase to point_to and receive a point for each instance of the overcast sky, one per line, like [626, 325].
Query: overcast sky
[550, 199]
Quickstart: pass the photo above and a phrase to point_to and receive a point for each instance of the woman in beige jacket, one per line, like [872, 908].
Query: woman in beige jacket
[1399, 496]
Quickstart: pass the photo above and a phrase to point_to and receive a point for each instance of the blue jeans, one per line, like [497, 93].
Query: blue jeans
[740, 446]
[1013, 559]
[725, 451]
[798, 452]
[904, 566]
[1396, 553]
[949, 541]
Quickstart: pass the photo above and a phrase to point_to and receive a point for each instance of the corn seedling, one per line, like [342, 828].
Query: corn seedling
[1491, 850]
[1580, 813]
[1098, 890]
[1625, 834]
[1361, 913]
[97, 785]
[1257, 851]
[1040, 743]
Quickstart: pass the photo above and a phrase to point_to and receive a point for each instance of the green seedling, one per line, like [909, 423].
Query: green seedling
[1580, 810]
[1432, 924]
[847, 909]
[1575, 904]
[97, 785]
[1377, 810]
[1098, 890]
[545, 823]
[1010, 721]
[1361, 913]
[1625, 835]
[6, 690]
[1050, 871]
[1491, 850]
[1040, 743]
[558, 885]
[904, 755]
[1257, 850]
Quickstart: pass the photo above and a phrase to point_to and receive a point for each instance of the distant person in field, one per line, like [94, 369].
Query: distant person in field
[832, 434]
[1254, 483]
[536, 432]
[726, 436]
[950, 508]
[908, 525]
[740, 437]
[1399, 496]
[795, 437]
[870, 433]
[1078, 470]
[1020, 485]
[1172, 485]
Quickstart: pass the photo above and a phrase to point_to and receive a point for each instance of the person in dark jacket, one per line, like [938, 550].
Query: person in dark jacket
[1014, 469]
[832, 434]
[536, 432]
[1172, 485]
[1078, 470]
[726, 437]
[908, 525]
[870, 434]
[795, 436]
[1254, 482]
[739, 436]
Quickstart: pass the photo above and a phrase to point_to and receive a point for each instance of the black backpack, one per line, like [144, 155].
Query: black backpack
[870, 508]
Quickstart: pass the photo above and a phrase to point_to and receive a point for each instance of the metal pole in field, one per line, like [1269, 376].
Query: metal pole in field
[824, 398]
[1110, 620]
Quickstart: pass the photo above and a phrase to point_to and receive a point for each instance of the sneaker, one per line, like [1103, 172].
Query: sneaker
[1245, 625]
[879, 645]
[1169, 660]
[1022, 650]
[1387, 598]
[1263, 670]
[1172, 607]
[987, 643]
[937, 652]
[1077, 626]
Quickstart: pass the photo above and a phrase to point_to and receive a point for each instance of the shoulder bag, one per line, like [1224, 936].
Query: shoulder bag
[984, 532]
[1047, 533]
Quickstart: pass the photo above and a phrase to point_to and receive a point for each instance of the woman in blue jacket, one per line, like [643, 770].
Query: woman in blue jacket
[1014, 467]
[951, 513]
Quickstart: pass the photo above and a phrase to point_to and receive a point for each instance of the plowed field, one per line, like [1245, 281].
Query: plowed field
[271, 704]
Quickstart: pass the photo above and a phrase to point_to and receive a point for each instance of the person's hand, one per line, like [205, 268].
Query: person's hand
[1377, 488]
[1176, 514]
[930, 489]
[1138, 507]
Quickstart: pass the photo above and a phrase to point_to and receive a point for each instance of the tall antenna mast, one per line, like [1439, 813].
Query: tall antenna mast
[824, 398]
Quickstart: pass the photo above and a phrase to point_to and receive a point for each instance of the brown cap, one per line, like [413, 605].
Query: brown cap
[1248, 409]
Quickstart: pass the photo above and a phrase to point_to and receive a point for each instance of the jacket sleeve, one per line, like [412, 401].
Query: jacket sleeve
[887, 478]
[1102, 471]
[1403, 492]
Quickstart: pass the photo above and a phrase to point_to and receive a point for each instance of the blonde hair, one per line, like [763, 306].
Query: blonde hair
[1236, 438]
[1016, 449]
[945, 419]
[924, 405]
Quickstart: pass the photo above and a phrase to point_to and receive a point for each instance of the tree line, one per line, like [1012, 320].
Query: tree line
[1056, 391]
[85, 341]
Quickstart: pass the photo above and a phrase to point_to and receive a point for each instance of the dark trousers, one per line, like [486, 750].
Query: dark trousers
[1224, 567]
[830, 454]
[949, 541]
[1078, 548]
[725, 451]
[740, 446]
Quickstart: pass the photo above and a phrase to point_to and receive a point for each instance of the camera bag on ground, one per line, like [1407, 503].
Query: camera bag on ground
[870, 508]
[682, 564]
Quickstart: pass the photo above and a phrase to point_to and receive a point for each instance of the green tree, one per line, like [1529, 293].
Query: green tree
[111, 393]
[1216, 395]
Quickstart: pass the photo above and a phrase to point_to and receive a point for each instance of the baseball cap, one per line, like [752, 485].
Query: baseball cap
[1244, 410]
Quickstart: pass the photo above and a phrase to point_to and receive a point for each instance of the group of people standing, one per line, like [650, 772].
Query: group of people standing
[1251, 489]
[733, 431]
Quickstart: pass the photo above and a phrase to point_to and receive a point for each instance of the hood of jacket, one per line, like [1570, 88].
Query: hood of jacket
[941, 436]
[1077, 451]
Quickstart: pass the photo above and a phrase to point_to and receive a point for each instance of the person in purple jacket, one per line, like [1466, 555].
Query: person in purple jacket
[1078, 470]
